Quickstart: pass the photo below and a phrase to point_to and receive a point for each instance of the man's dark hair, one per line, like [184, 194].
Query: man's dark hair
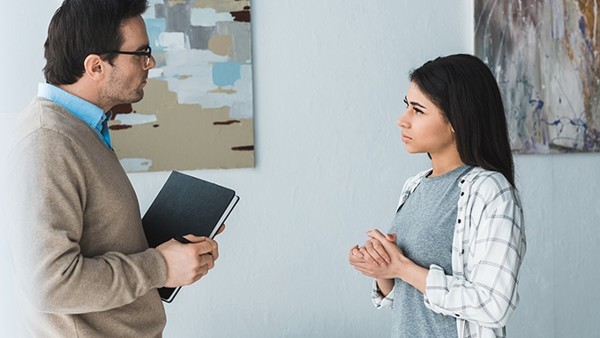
[83, 27]
[465, 89]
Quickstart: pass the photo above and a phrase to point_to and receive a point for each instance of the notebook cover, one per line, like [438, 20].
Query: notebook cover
[185, 205]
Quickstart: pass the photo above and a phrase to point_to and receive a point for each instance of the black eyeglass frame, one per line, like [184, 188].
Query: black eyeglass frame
[147, 54]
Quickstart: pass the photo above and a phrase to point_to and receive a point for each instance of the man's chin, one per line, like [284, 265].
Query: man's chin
[139, 97]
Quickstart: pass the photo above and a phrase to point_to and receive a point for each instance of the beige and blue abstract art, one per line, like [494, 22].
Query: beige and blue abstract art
[197, 111]
[545, 56]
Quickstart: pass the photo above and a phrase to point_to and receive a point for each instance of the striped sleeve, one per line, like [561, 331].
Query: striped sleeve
[487, 292]
[379, 300]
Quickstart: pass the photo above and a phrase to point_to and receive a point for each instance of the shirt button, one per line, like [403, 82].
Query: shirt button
[462, 193]
[459, 221]
[463, 181]
[462, 252]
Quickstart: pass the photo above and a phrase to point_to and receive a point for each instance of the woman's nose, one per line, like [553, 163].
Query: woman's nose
[402, 121]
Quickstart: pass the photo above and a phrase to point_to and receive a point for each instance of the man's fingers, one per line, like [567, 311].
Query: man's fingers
[206, 246]
[215, 251]
[195, 239]
[206, 260]
[201, 272]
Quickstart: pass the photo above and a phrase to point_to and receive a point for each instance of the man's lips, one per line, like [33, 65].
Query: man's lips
[406, 138]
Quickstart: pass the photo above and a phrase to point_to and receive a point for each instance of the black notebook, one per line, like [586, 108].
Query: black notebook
[186, 205]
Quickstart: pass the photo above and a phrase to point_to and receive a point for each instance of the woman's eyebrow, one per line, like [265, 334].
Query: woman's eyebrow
[416, 104]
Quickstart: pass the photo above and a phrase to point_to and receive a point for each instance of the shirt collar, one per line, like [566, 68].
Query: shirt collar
[89, 113]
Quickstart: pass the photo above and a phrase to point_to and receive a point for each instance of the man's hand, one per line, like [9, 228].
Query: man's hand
[186, 263]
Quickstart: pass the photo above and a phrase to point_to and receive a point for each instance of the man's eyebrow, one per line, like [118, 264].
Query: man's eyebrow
[143, 48]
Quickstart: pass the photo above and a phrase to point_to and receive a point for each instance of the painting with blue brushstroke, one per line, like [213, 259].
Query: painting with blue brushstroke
[197, 111]
[544, 55]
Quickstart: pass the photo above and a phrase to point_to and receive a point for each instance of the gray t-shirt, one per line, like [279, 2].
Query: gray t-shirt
[425, 229]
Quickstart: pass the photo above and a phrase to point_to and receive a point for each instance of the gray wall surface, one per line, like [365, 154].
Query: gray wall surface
[329, 81]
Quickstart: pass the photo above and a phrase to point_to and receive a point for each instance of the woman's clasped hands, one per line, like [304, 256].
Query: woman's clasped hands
[379, 257]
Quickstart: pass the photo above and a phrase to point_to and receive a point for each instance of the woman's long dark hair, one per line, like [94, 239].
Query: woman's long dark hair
[465, 90]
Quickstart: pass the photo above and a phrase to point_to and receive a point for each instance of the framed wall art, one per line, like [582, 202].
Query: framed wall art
[544, 55]
[197, 111]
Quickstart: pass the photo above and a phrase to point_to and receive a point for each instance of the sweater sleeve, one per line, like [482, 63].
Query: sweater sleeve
[46, 224]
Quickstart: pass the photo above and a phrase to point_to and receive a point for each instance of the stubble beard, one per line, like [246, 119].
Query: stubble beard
[115, 94]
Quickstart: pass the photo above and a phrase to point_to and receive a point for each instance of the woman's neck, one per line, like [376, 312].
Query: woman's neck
[443, 163]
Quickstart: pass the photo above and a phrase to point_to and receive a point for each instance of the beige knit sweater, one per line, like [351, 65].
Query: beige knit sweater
[82, 264]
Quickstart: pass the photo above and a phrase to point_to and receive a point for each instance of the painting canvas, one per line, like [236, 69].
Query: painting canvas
[197, 111]
[544, 54]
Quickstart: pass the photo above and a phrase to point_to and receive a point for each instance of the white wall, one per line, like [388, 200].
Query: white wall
[23, 26]
[329, 81]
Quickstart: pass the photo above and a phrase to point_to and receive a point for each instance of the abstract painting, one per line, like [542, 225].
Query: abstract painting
[197, 111]
[545, 56]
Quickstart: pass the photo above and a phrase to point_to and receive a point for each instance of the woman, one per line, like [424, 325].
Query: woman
[449, 267]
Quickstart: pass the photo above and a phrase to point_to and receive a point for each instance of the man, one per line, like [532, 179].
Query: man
[82, 262]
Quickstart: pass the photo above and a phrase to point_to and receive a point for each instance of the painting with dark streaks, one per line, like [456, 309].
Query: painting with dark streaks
[197, 111]
[544, 54]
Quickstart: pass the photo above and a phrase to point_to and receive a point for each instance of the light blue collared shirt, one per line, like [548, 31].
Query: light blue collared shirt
[89, 113]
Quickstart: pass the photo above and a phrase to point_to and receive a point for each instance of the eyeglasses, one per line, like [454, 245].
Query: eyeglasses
[147, 54]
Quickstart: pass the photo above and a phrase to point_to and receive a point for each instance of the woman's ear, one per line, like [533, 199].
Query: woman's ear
[94, 66]
[451, 130]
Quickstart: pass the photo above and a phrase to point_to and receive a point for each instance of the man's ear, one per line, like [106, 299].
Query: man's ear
[94, 66]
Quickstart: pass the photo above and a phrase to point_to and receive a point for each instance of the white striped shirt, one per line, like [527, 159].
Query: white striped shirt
[487, 251]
